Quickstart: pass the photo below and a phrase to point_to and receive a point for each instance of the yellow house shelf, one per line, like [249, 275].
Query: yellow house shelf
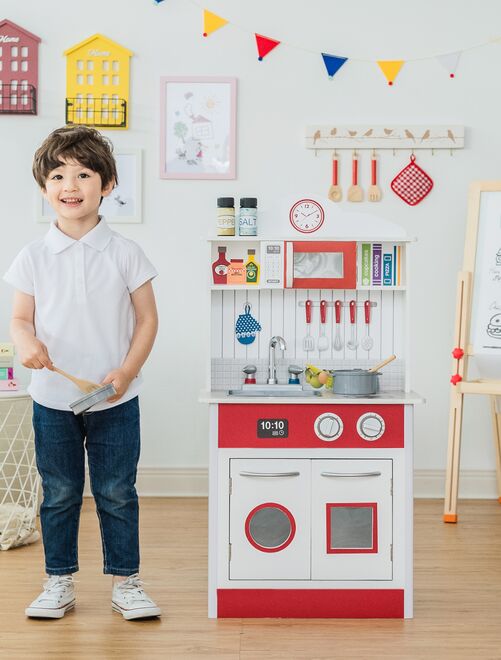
[97, 83]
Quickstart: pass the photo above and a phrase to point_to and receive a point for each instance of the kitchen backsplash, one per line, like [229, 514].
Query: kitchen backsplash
[227, 373]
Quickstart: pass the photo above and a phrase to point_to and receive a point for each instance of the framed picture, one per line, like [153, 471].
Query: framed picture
[198, 128]
[124, 204]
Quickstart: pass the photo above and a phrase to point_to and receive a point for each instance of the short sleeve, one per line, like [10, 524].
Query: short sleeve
[20, 273]
[139, 268]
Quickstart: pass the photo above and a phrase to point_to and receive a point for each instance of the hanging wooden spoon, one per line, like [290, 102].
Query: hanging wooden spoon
[374, 192]
[335, 193]
[355, 192]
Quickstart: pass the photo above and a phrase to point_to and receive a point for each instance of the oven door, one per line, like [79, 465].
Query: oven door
[269, 519]
[321, 265]
[352, 519]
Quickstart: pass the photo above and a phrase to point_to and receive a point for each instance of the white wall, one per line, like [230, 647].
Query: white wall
[276, 99]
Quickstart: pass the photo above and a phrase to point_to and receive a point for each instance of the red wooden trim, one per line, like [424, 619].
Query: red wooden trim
[262, 548]
[238, 425]
[339, 551]
[311, 603]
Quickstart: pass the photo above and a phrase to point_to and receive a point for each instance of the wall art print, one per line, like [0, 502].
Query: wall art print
[198, 128]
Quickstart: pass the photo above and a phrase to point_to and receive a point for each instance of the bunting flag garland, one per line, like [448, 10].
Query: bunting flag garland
[265, 45]
[450, 62]
[333, 63]
[390, 68]
[212, 22]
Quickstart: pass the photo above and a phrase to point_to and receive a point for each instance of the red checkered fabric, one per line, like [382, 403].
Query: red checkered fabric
[412, 184]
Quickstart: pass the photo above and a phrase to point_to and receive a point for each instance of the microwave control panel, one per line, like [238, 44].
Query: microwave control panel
[272, 264]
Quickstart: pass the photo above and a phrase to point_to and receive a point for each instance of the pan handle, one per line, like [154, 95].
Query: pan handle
[382, 364]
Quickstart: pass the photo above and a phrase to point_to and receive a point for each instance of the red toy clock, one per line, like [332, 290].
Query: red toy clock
[306, 216]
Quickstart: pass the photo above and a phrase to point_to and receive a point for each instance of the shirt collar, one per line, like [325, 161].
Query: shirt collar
[97, 238]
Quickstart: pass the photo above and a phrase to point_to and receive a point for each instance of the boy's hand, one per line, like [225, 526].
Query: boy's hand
[34, 354]
[121, 381]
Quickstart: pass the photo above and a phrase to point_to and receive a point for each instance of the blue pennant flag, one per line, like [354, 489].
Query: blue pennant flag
[333, 63]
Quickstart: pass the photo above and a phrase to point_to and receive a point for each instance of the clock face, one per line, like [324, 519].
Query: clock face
[306, 216]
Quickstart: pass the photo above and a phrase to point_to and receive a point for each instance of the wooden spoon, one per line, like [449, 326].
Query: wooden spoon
[374, 192]
[335, 193]
[382, 364]
[355, 192]
[85, 386]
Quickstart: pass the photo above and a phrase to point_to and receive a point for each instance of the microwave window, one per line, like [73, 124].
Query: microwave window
[318, 264]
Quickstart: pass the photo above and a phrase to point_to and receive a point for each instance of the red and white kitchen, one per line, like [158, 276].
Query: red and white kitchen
[311, 417]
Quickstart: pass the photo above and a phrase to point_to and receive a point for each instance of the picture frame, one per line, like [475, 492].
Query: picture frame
[124, 204]
[198, 127]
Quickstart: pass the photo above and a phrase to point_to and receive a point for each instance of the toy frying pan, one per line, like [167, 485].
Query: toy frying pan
[97, 396]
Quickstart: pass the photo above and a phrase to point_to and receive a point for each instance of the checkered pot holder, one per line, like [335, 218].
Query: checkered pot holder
[412, 184]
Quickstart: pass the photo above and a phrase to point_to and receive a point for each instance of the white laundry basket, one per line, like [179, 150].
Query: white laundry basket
[19, 479]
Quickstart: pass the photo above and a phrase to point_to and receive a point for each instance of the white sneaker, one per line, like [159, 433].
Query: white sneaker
[55, 600]
[130, 599]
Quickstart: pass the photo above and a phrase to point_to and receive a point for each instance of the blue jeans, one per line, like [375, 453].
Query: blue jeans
[112, 440]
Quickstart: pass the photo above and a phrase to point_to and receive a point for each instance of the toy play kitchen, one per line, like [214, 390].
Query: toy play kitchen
[311, 420]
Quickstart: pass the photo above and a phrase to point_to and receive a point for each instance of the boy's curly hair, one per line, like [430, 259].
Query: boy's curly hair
[79, 143]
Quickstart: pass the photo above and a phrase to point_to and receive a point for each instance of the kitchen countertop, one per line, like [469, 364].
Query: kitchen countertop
[391, 397]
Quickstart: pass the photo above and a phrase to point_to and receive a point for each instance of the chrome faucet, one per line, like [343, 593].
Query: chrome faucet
[272, 369]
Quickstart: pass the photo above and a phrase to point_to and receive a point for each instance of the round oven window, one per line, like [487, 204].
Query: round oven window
[270, 527]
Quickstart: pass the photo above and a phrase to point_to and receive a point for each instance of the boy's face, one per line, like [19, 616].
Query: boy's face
[74, 191]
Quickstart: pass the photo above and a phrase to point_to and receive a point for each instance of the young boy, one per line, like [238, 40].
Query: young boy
[84, 302]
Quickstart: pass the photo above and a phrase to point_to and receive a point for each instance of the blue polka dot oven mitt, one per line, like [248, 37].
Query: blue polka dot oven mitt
[246, 327]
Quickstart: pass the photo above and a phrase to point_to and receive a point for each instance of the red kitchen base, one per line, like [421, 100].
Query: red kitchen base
[311, 603]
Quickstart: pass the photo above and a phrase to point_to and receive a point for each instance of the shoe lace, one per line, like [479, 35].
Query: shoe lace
[132, 587]
[56, 583]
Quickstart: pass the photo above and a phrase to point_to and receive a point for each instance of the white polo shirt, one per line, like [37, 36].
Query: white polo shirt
[83, 309]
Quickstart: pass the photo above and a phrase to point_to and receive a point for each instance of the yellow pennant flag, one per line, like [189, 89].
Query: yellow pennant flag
[212, 22]
[390, 68]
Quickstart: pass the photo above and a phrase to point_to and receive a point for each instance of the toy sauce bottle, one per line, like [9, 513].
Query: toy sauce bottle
[251, 268]
[220, 267]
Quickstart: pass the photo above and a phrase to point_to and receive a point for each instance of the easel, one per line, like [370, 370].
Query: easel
[460, 384]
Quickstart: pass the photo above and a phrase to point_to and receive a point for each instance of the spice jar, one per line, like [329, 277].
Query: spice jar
[226, 216]
[247, 219]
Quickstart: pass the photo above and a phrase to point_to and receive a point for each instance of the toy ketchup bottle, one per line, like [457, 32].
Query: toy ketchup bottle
[220, 267]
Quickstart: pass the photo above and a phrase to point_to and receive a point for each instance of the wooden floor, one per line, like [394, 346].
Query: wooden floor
[457, 598]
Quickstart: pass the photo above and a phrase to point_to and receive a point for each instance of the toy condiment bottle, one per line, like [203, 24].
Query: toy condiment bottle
[225, 216]
[247, 219]
[236, 272]
[220, 267]
[252, 268]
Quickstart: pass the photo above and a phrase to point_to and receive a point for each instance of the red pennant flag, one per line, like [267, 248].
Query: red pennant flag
[265, 45]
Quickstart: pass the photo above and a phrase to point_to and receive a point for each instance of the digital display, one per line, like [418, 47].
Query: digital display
[272, 428]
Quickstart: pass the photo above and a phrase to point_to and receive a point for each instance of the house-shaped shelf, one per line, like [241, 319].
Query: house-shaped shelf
[18, 70]
[97, 83]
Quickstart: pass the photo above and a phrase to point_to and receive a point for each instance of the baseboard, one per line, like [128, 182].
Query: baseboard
[473, 484]
[168, 482]
[193, 482]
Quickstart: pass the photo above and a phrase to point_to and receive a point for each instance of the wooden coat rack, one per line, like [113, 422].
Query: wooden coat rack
[478, 312]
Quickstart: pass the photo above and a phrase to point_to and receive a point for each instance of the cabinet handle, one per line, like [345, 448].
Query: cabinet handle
[350, 474]
[269, 474]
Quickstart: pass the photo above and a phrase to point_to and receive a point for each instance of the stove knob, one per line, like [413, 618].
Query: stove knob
[328, 427]
[370, 426]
